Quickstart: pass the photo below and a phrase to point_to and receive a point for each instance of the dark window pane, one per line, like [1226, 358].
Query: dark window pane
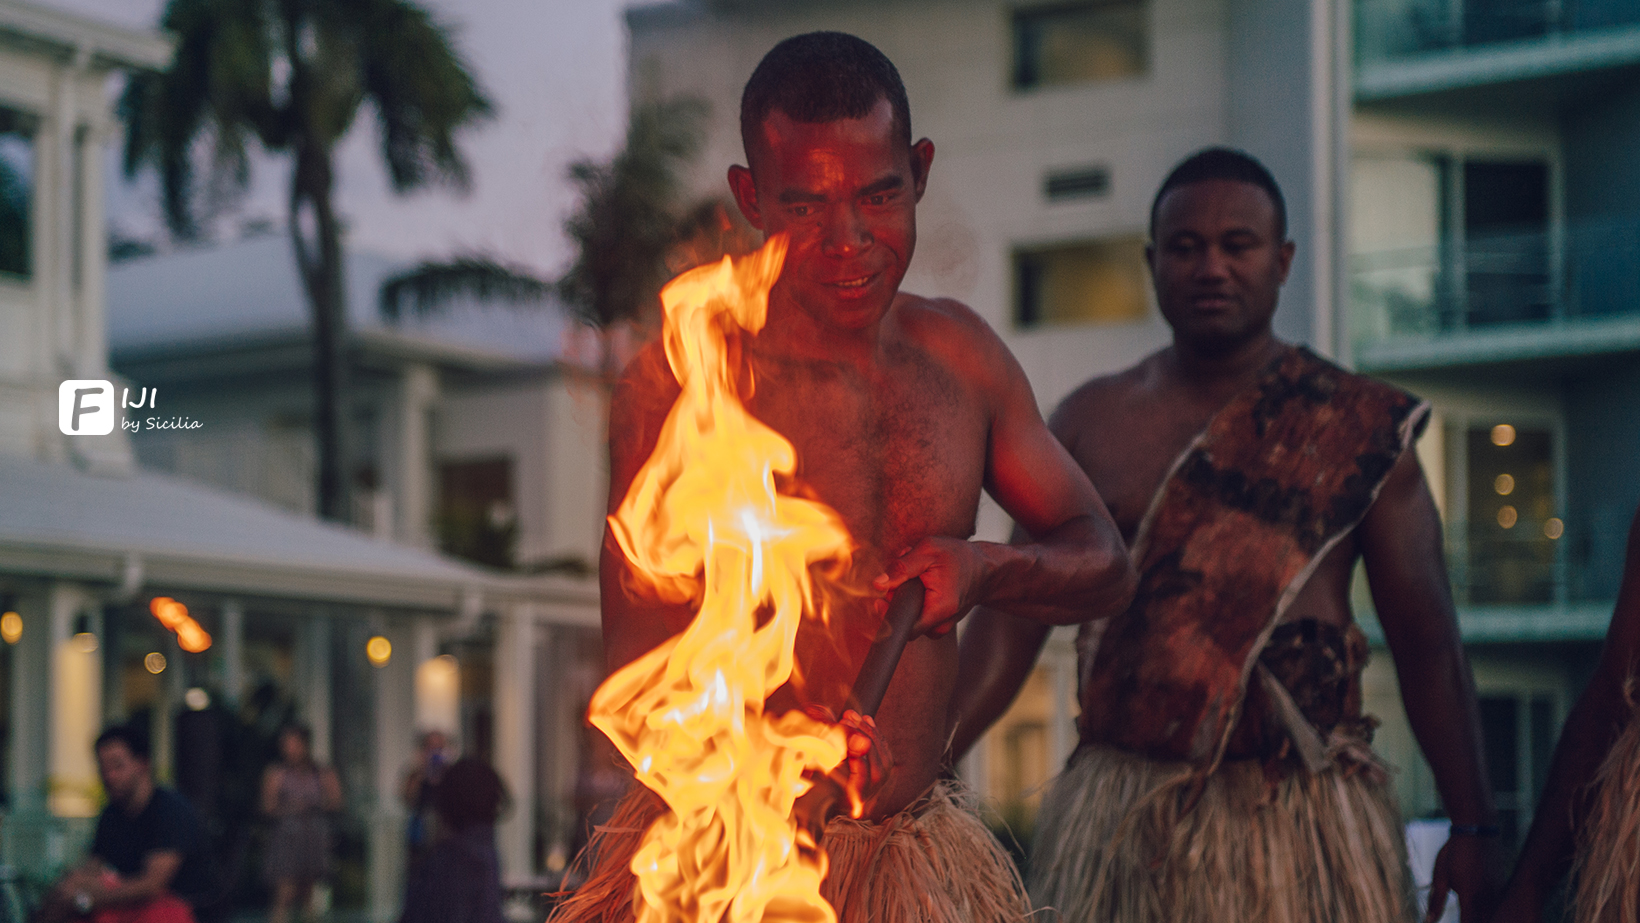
[1101, 281]
[1080, 42]
[477, 519]
[16, 190]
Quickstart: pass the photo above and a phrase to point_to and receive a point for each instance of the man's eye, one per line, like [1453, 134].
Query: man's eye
[800, 211]
[881, 198]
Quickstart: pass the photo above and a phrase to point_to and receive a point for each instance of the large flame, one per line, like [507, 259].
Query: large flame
[703, 520]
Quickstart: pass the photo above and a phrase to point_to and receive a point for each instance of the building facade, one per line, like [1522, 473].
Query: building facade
[1463, 208]
[1495, 268]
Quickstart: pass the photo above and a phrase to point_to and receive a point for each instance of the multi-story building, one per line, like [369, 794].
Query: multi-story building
[1462, 192]
[1495, 268]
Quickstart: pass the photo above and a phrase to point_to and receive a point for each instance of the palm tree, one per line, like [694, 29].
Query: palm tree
[630, 233]
[292, 75]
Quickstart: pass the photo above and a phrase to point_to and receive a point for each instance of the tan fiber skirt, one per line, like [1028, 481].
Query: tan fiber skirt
[935, 862]
[1607, 870]
[1114, 845]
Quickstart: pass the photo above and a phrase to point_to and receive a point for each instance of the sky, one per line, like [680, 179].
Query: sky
[555, 70]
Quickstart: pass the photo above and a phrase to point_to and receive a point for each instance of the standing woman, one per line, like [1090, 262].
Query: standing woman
[297, 793]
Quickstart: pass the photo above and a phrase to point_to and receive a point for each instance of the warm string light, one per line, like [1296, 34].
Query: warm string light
[174, 616]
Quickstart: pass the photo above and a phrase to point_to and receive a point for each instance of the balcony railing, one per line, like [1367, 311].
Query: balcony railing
[1524, 567]
[1390, 29]
[1495, 282]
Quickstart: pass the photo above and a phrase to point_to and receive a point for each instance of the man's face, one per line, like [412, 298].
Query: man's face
[846, 192]
[1218, 263]
[122, 772]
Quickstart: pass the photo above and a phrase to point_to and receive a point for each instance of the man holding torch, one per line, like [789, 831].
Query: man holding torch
[901, 410]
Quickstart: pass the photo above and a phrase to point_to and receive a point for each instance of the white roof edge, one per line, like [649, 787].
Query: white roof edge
[560, 600]
[116, 45]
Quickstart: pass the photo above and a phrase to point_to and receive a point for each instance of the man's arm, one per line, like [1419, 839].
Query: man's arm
[1591, 729]
[1400, 541]
[1074, 566]
[158, 869]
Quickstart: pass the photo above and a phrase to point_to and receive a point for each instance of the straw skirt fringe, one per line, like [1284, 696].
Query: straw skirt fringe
[1114, 845]
[1608, 864]
[933, 863]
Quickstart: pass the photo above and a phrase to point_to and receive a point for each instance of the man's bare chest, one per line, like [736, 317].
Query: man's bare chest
[899, 456]
[1132, 454]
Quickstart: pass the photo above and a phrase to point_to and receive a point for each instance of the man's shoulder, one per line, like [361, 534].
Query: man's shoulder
[939, 321]
[1106, 393]
[954, 335]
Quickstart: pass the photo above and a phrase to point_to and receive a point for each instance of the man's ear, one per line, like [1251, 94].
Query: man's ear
[1287, 251]
[922, 157]
[745, 191]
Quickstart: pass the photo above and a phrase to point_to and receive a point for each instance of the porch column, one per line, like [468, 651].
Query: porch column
[75, 707]
[394, 747]
[231, 644]
[515, 737]
[313, 679]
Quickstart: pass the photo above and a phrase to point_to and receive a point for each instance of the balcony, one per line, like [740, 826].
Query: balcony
[1407, 47]
[1390, 29]
[1498, 297]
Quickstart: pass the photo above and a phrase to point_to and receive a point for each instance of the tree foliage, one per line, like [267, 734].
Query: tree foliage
[629, 215]
[291, 76]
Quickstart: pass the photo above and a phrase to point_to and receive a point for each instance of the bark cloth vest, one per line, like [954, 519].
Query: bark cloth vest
[1200, 667]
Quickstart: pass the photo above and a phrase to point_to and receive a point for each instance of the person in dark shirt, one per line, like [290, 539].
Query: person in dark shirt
[149, 861]
[458, 879]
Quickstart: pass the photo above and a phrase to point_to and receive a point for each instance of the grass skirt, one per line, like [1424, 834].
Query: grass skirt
[1116, 845]
[935, 862]
[1608, 864]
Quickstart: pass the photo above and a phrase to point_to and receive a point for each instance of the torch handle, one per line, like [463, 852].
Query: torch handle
[904, 608]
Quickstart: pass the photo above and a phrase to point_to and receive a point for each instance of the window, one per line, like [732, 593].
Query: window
[1021, 748]
[1520, 730]
[476, 517]
[16, 190]
[1506, 241]
[1513, 528]
[1102, 281]
[1080, 42]
[1442, 242]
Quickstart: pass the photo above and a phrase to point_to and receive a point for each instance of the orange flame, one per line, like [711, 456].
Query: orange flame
[703, 519]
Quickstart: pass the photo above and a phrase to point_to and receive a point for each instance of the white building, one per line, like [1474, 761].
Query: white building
[89, 540]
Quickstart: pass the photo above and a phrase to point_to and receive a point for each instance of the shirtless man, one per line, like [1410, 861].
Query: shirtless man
[902, 410]
[1218, 259]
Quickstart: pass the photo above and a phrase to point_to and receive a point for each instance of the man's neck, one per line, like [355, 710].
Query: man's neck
[139, 799]
[791, 333]
[1221, 373]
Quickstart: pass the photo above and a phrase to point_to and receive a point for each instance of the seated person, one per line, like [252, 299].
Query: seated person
[150, 860]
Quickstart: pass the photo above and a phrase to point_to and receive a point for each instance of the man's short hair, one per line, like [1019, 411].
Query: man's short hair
[822, 77]
[1222, 163]
[124, 734]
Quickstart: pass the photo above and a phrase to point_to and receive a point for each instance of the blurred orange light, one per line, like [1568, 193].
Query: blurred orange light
[11, 627]
[174, 616]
